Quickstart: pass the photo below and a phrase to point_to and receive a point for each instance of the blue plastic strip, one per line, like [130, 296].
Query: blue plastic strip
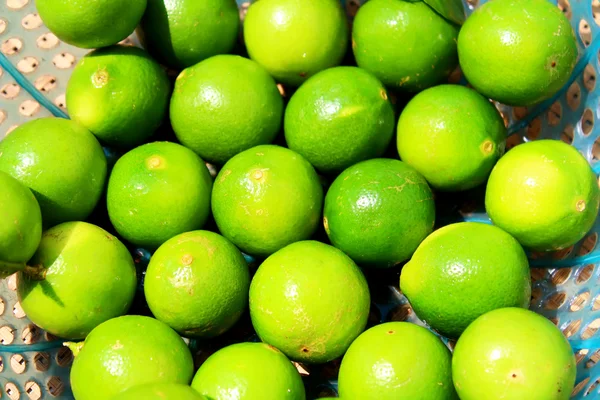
[28, 86]
[592, 258]
[24, 348]
[590, 52]
[585, 344]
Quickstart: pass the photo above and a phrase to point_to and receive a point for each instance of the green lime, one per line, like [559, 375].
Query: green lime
[396, 360]
[295, 39]
[310, 301]
[160, 391]
[249, 371]
[544, 193]
[225, 105]
[120, 94]
[181, 33]
[462, 271]
[339, 117]
[406, 44]
[205, 278]
[266, 198]
[513, 353]
[452, 135]
[125, 352]
[20, 225]
[517, 52]
[378, 212]
[61, 162]
[79, 277]
[157, 191]
[91, 24]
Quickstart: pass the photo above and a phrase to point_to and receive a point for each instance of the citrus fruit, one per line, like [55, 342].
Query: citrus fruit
[91, 24]
[157, 191]
[252, 371]
[518, 53]
[295, 39]
[225, 105]
[125, 352]
[452, 135]
[396, 360]
[266, 198]
[79, 277]
[512, 353]
[310, 301]
[205, 279]
[406, 44]
[61, 162]
[462, 271]
[543, 193]
[120, 94]
[20, 225]
[181, 33]
[378, 212]
[339, 117]
[160, 391]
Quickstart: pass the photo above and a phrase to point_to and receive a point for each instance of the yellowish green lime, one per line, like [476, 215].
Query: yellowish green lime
[126, 352]
[61, 162]
[512, 353]
[20, 225]
[339, 117]
[396, 360]
[266, 198]
[91, 24]
[452, 135]
[225, 105]
[406, 44]
[517, 52]
[181, 33]
[249, 371]
[295, 39]
[157, 191]
[309, 300]
[543, 193]
[79, 277]
[120, 94]
[206, 280]
[462, 271]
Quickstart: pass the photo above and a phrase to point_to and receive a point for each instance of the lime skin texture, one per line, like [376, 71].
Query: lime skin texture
[462, 271]
[181, 33]
[160, 391]
[452, 135]
[517, 52]
[544, 193]
[339, 117]
[206, 279]
[91, 24]
[252, 371]
[295, 39]
[120, 94]
[396, 360]
[225, 105]
[406, 44]
[20, 225]
[513, 353]
[67, 181]
[378, 211]
[266, 198]
[79, 277]
[157, 191]
[310, 301]
[125, 352]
